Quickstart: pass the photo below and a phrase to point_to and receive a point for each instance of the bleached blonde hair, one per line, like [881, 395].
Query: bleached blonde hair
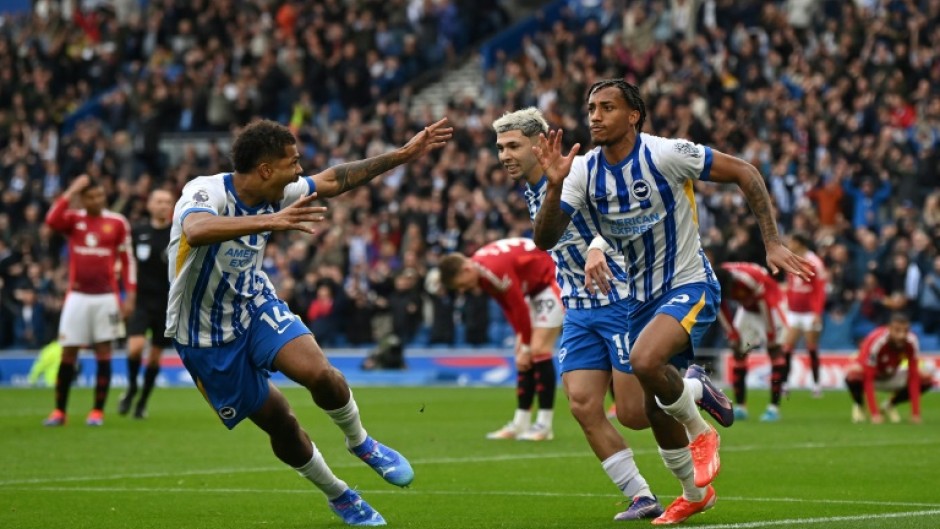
[528, 120]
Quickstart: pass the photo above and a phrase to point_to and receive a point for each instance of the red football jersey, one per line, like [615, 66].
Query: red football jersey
[881, 360]
[95, 242]
[511, 269]
[751, 284]
[808, 296]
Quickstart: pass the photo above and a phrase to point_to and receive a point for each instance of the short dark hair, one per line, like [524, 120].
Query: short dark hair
[449, 267]
[259, 142]
[630, 93]
[899, 317]
[93, 183]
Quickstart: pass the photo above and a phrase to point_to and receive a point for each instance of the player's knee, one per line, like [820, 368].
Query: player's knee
[633, 417]
[584, 408]
[645, 365]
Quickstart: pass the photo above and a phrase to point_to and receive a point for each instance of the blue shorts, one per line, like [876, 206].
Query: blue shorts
[594, 339]
[234, 377]
[695, 306]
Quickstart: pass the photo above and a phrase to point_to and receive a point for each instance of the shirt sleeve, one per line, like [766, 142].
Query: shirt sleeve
[202, 194]
[679, 160]
[297, 190]
[574, 194]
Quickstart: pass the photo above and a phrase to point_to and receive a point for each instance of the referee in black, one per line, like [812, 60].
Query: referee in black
[151, 239]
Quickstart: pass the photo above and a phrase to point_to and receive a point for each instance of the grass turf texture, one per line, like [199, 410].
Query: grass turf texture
[182, 469]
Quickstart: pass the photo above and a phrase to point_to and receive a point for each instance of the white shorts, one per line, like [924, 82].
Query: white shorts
[803, 321]
[899, 379]
[546, 310]
[88, 319]
[752, 327]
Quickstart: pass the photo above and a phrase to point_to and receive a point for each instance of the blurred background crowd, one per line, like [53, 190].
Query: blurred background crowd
[836, 102]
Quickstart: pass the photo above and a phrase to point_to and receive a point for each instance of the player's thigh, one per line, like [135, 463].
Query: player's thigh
[666, 330]
[751, 327]
[543, 341]
[302, 361]
[630, 400]
[106, 321]
[583, 346]
[586, 390]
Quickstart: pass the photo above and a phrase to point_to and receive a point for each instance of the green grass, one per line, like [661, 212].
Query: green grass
[182, 469]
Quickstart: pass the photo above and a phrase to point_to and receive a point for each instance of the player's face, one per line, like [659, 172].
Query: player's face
[283, 171]
[897, 332]
[515, 153]
[160, 205]
[609, 116]
[93, 200]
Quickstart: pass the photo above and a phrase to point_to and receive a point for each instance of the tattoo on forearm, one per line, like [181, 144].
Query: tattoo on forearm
[759, 201]
[354, 174]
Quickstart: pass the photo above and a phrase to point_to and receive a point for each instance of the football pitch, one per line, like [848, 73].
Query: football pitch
[181, 468]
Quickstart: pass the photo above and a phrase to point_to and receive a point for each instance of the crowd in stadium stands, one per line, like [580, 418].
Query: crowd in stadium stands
[836, 102]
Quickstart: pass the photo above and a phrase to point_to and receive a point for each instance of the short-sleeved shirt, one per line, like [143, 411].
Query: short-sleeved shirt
[216, 288]
[644, 206]
[570, 256]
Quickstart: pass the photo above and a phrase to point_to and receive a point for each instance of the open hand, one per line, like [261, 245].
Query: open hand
[548, 153]
[433, 136]
[779, 256]
[299, 215]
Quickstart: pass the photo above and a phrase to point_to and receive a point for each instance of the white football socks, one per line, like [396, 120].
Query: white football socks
[685, 410]
[544, 418]
[679, 461]
[521, 420]
[348, 420]
[317, 471]
[624, 473]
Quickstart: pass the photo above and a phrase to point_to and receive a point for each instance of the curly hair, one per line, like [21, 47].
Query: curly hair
[259, 142]
[630, 92]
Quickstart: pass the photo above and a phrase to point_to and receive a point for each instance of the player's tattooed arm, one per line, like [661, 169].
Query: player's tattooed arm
[755, 192]
[551, 221]
[337, 180]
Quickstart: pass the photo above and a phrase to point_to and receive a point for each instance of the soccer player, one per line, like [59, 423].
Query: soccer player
[759, 319]
[638, 189]
[151, 239]
[806, 301]
[230, 328]
[92, 313]
[521, 278]
[591, 361]
[888, 360]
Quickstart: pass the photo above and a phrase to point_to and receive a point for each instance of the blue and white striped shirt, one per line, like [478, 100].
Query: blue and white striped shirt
[644, 207]
[215, 289]
[570, 256]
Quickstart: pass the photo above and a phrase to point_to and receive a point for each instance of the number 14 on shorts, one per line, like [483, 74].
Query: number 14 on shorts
[278, 319]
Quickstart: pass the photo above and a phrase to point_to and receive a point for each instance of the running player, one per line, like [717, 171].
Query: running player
[229, 326]
[806, 302]
[759, 319]
[151, 239]
[591, 361]
[92, 313]
[888, 361]
[521, 278]
[639, 191]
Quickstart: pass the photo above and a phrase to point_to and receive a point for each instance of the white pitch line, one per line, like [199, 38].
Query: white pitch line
[449, 460]
[517, 493]
[800, 522]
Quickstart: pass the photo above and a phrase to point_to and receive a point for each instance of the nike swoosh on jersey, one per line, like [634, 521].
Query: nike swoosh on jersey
[284, 328]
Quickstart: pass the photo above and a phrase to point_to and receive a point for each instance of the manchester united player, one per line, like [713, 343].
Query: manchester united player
[151, 239]
[92, 312]
[806, 301]
[887, 360]
[521, 278]
[759, 319]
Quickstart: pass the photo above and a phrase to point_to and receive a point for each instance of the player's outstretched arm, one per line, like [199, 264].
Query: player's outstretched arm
[729, 169]
[551, 221]
[201, 228]
[337, 180]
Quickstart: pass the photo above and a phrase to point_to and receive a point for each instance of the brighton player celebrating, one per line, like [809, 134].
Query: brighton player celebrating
[230, 328]
[806, 302]
[92, 312]
[639, 190]
[888, 360]
[759, 319]
[521, 278]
